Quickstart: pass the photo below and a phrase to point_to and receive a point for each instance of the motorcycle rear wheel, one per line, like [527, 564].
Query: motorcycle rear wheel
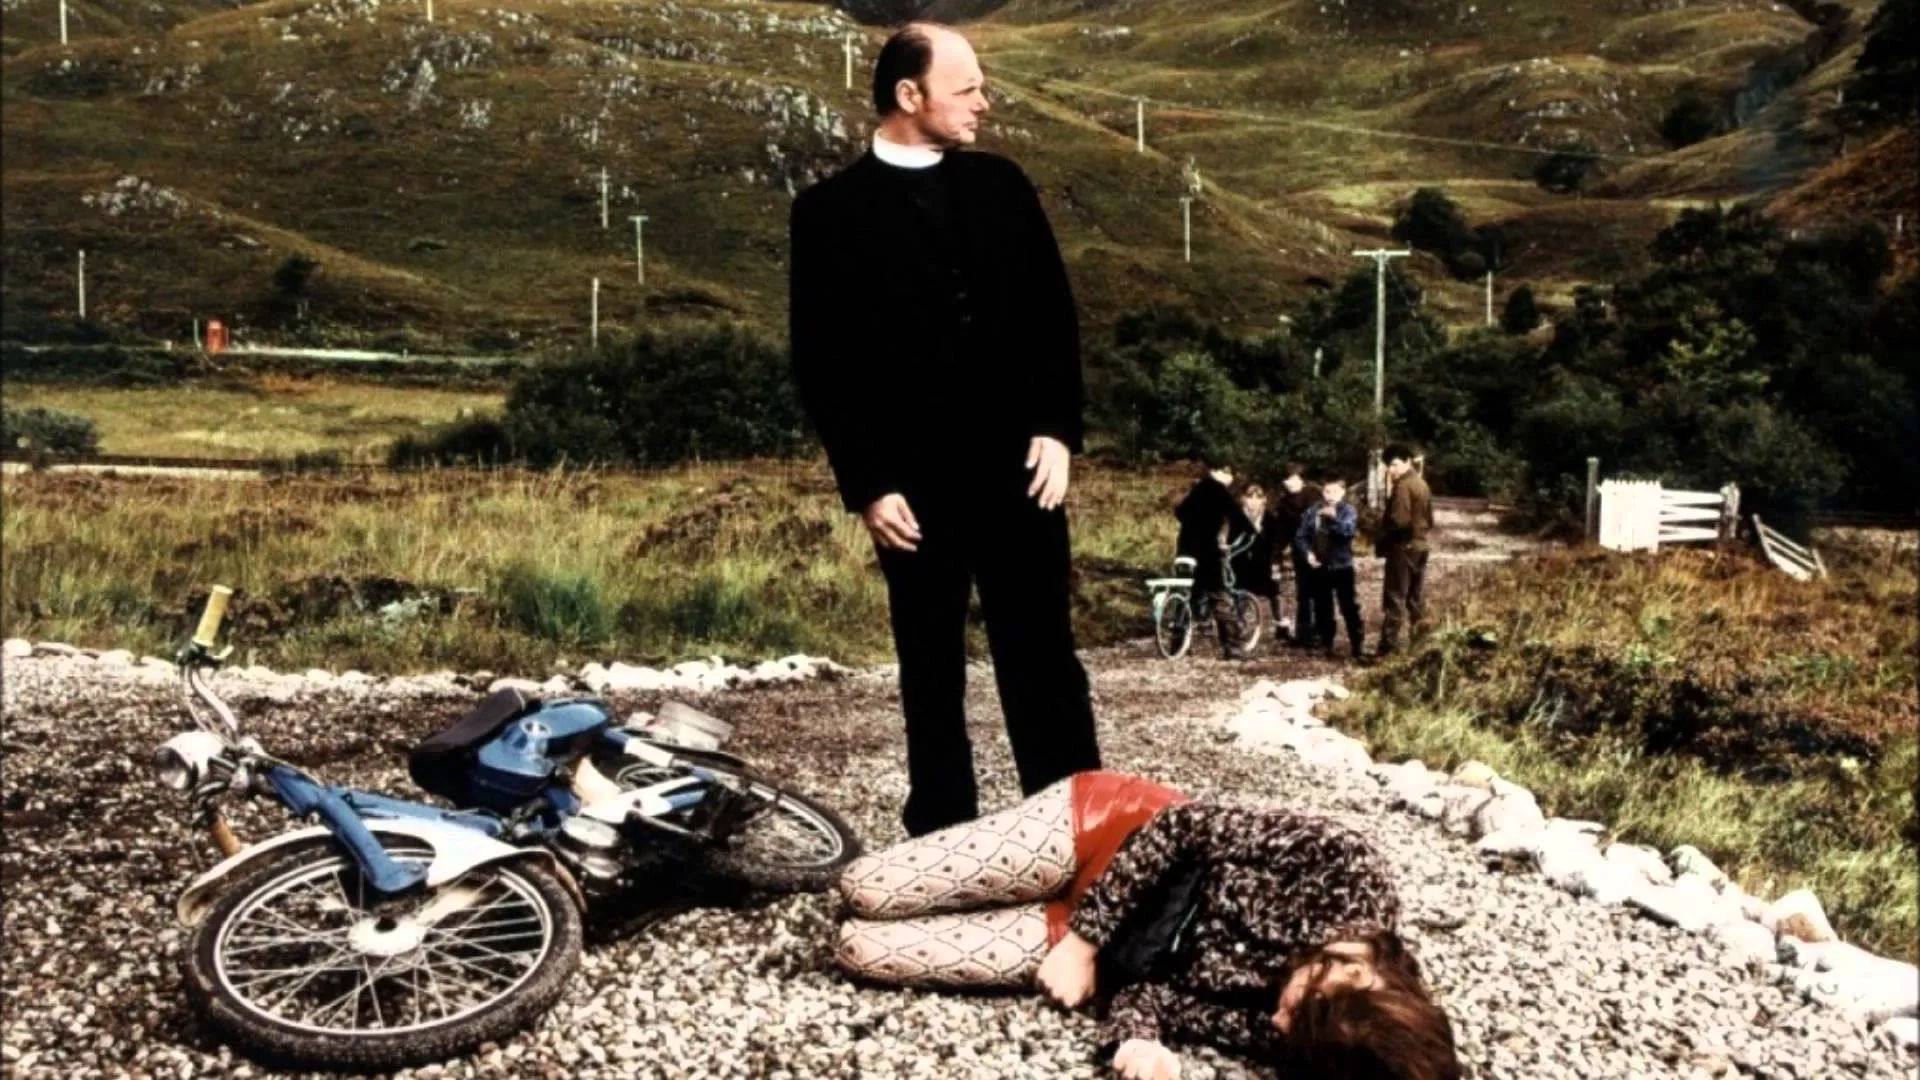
[297, 964]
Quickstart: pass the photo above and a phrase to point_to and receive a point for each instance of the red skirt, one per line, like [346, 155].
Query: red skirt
[1108, 807]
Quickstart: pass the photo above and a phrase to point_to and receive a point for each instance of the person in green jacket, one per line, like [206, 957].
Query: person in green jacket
[1403, 543]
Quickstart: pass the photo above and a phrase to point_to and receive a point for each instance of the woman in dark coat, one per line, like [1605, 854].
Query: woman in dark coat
[1260, 931]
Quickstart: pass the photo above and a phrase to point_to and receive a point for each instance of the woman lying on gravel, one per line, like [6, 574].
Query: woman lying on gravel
[1260, 931]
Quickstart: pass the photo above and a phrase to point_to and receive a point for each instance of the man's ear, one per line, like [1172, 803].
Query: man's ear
[907, 93]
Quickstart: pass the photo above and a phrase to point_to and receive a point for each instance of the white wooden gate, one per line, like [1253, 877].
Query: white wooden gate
[1640, 515]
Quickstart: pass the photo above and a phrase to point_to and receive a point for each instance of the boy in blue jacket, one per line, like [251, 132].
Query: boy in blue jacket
[1325, 541]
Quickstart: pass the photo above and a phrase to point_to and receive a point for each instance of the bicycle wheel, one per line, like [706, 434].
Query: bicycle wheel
[781, 841]
[296, 965]
[1246, 612]
[1173, 626]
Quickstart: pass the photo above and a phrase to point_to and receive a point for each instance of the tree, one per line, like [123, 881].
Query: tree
[1565, 171]
[1429, 221]
[1693, 118]
[1521, 314]
[292, 276]
[1885, 87]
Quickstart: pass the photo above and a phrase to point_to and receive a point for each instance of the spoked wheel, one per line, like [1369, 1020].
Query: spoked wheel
[768, 837]
[1246, 613]
[1173, 626]
[301, 962]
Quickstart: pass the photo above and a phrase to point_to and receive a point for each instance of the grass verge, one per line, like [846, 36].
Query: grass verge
[1690, 698]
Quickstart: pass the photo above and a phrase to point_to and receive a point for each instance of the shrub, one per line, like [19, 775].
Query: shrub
[1565, 171]
[477, 440]
[1521, 314]
[1693, 118]
[710, 392]
[48, 430]
[554, 605]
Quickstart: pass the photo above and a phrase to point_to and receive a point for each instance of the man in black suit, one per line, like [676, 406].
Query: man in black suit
[936, 348]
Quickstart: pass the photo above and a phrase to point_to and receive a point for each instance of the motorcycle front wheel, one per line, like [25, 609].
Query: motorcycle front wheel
[301, 962]
[781, 841]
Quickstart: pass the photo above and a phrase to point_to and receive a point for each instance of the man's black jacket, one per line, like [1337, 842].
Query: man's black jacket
[906, 394]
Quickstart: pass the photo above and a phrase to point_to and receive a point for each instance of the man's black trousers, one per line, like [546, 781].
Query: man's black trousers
[1018, 556]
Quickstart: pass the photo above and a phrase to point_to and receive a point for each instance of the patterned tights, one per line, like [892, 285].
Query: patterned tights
[964, 906]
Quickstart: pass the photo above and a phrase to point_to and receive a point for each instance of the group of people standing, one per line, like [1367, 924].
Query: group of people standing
[1240, 540]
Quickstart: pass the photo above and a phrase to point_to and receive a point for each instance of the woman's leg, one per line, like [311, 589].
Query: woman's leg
[983, 949]
[1020, 854]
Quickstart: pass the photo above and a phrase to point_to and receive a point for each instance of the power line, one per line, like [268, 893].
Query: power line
[1317, 125]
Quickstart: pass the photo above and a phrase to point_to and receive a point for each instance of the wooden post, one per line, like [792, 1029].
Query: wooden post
[63, 22]
[846, 45]
[83, 286]
[1729, 513]
[1186, 224]
[603, 197]
[429, 10]
[594, 332]
[1593, 492]
[1139, 125]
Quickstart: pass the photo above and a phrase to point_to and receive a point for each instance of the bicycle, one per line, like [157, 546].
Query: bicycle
[1175, 611]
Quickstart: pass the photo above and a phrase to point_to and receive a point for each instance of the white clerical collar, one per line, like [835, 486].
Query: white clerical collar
[906, 157]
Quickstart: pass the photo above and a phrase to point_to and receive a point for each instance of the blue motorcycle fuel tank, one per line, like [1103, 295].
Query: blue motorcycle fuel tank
[522, 759]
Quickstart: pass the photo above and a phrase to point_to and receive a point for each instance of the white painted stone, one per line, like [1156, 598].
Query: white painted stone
[1474, 774]
[1798, 914]
[1259, 691]
[157, 663]
[1687, 859]
[525, 686]
[1511, 843]
[594, 677]
[559, 684]
[1682, 908]
[1515, 811]
[1743, 944]
[1869, 991]
[1577, 867]
[1328, 748]
[1263, 729]
[1903, 1032]
[316, 675]
[1462, 804]
[1642, 860]
[17, 648]
[55, 648]
[355, 678]
[1338, 692]
[690, 669]
[1298, 694]
[116, 658]
[1432, 805]
[1575, 827]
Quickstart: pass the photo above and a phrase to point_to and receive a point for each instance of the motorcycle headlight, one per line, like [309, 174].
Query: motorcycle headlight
[181, 762]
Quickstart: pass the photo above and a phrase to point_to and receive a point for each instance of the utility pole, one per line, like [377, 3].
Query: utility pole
[603, 196]
[1380, 258]
[1186, 223]
[639, 248]
[1489, 298]
[594, 332]
[83, 285]
[63, 22]
[1140, 125]
[846, 45]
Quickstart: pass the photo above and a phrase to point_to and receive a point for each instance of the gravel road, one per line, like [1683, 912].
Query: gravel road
[1541, 985]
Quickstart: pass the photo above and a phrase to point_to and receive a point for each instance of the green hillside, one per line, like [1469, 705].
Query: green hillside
[445, 176]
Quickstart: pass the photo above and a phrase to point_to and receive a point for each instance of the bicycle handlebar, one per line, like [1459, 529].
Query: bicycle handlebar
[212, 616]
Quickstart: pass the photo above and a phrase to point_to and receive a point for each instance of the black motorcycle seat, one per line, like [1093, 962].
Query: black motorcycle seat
[439, 764]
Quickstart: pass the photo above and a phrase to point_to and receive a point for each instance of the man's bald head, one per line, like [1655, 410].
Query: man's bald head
[927, 79]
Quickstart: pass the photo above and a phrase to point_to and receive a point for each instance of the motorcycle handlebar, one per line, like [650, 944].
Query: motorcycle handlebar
[210, 618]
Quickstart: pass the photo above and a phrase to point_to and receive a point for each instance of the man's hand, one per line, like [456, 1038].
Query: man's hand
[1048, 458]
[1066, 975]
[1143, 1059]
[892, 524]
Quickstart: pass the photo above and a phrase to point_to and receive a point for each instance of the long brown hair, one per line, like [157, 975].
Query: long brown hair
[1394, 1031]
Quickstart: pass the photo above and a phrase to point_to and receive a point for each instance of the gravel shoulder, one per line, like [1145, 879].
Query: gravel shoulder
[1540, 984]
